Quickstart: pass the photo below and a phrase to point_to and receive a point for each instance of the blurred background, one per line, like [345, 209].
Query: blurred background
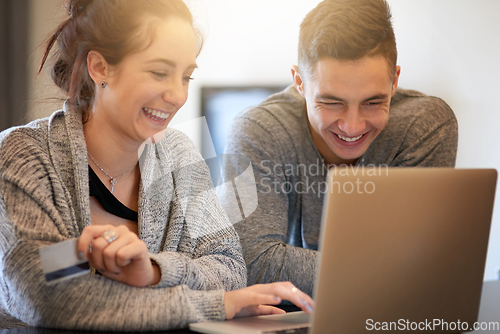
[447, 48]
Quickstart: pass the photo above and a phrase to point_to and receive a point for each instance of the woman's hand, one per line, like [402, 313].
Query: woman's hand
[122, 257]
[255, 299]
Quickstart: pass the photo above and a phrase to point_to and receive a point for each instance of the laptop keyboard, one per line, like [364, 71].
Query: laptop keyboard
[301, 330]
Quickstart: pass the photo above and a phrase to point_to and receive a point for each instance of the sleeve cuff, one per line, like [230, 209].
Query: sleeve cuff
[173, 268]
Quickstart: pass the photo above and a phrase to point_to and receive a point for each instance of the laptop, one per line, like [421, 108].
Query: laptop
[400, 249]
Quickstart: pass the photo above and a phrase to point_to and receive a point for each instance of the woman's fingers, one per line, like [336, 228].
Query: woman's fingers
[119, 254]
[87, 237]
[267, 310]
[110, 249]
[251, 300]
[134, 250]
[242, 302]
[102, 249]
[287, 291]
[258, 298]
[95, 256]
[258, 310]
[110, 252]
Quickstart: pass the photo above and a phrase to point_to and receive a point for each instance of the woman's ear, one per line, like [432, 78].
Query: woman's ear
[97, 67]
[297, 80]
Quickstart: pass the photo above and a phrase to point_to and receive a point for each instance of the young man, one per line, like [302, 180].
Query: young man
[343, 108]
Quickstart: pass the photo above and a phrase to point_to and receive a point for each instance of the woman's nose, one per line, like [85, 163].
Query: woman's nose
[176, 93]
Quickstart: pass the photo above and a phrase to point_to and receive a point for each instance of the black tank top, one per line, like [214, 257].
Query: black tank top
[108, 201]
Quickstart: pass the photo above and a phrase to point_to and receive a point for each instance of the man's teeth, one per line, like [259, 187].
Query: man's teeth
[156, 113]
[349, 139]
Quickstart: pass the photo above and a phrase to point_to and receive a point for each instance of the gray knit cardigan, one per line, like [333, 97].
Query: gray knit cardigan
[44, 199]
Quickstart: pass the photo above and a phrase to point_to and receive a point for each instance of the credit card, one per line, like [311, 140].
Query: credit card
[60, 261]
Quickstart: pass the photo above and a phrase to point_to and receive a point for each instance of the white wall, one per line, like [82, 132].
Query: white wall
[447, 48]
[246, 42]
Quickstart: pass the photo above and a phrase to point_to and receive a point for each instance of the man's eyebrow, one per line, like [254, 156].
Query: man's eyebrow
[377, 97]
[169, 62]
[328, 97]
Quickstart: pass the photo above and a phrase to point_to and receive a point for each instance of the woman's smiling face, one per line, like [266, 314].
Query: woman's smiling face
[146, 89]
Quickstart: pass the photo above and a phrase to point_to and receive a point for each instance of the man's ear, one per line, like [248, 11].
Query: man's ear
[297, 80]
[97, 67]
[395, 80]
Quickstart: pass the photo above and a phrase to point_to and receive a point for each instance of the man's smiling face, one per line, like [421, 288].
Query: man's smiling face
[347, 105]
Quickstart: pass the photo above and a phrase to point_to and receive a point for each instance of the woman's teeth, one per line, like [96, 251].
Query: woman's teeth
[156, 114]
[349, 139]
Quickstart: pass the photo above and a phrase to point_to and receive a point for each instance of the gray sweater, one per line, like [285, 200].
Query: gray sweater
[44, 199]
[280, 238]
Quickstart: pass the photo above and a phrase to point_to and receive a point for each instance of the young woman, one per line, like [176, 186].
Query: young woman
[163, 251]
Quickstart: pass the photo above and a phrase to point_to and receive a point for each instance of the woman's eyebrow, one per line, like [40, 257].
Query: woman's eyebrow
[169, 62]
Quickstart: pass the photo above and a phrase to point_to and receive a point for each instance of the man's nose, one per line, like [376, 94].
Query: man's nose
[352, 123]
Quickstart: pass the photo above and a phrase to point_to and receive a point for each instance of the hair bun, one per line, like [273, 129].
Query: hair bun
[76, 7]
[60, 74]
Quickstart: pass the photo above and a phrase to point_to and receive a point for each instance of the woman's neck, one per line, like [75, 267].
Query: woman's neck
[112, 157]
[110, 151]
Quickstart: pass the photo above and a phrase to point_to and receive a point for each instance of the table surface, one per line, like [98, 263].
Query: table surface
[489, 312]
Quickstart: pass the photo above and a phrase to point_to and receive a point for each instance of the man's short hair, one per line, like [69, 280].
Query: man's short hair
[347, 30]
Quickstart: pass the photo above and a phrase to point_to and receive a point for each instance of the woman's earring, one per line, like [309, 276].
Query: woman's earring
[103, 84]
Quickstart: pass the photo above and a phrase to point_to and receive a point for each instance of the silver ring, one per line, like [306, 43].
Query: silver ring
[294, 289]
[109, 236]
